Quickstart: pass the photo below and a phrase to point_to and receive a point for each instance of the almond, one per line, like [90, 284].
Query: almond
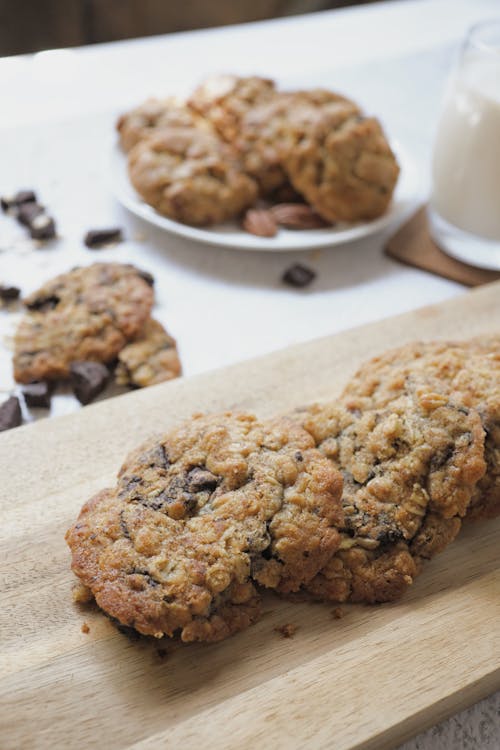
[260, 222]
[298, 216]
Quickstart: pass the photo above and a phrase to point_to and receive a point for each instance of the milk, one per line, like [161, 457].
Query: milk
[466, 165]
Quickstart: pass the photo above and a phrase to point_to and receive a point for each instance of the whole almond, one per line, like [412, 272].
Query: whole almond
[260, 222]
[298, 216]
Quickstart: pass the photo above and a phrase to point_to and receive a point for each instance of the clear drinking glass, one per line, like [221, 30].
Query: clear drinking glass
[464, 212]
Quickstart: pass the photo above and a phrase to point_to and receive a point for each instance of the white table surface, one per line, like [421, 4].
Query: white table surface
[57, 110]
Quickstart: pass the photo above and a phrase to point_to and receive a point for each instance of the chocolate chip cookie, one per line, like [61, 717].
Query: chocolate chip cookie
[153, 115]
[190, 176]
[343, 165]
[225, 99]
[468, 371]
[200, 512]
[265, 133]
[87, 314]
[150, 358]
[409, 473]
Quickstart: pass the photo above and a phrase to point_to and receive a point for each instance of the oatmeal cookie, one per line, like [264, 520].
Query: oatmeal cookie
[343, 166]
[87, 314]
[409, 474]
[153, 115]
[197, 514]
[150, 358]
[468, 371]
[225, 99]
[265, 132]
[190, 176]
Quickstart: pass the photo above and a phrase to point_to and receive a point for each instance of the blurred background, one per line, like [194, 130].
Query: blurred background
[33, 25]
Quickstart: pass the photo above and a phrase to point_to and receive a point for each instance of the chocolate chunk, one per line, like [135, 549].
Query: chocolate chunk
[298, 275]
[14, 201]
[10, 414]
[44, 303]
[28, 212]
[390, 536]
[88, 379]
[201, 479]
[97, 238]
[9, 293]
[42, 228]
[148, 277]
[37, 395]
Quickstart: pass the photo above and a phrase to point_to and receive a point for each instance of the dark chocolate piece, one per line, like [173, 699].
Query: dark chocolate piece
[88, 379]
[10, 414]
[298, 275]
[37, 395]
[42, 228]
[200, 479]
[18, 199]
[9, 293]
[97, 238]
[44, 303]
[27, 212]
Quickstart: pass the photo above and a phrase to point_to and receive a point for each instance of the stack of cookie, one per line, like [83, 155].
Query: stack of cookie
[239, 140]
[99, 315]
[340, 501]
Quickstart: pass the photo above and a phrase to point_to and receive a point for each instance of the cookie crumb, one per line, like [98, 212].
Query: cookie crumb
[338, 613]
[85, 628]
[82, 594]
[286, 631]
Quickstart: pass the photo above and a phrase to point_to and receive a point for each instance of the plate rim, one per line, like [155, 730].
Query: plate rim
[125, 194]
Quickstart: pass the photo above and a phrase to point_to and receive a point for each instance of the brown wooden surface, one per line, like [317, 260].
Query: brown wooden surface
[368, 680]
[413, 245]
[40, 24]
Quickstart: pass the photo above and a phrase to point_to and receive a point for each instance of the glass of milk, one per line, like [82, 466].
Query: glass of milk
[464, 212]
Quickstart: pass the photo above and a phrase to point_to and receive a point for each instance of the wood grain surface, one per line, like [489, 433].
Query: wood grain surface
[368, 680]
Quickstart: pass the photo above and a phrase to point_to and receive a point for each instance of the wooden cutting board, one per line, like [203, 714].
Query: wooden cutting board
[369, 680]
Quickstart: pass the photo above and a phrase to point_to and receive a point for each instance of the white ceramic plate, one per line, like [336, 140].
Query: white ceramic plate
[230, 234]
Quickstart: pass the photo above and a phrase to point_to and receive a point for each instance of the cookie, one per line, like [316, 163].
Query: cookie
[225, 99]
[197, 514]
[87, 314]
[153, 115]
[409, 473]
[265, 134]
[468, 371]
[190, 176]
[342, 164]
[149, 359]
